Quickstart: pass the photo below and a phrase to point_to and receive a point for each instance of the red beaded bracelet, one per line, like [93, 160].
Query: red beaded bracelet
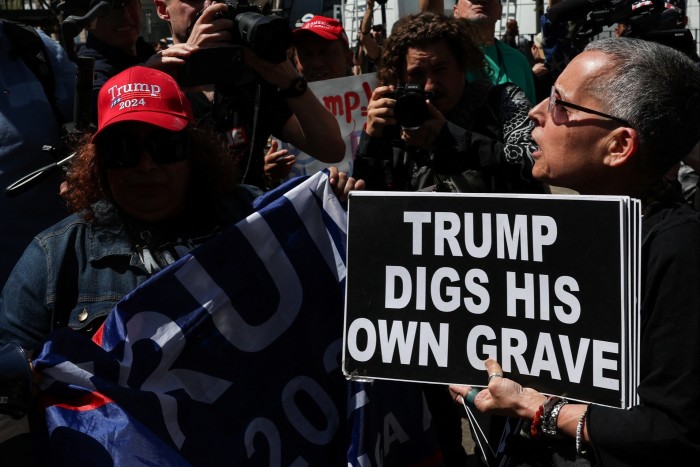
[536, 422]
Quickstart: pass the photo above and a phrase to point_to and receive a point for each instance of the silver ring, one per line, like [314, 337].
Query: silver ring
[495, 375]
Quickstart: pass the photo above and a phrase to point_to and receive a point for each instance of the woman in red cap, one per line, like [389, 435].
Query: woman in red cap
[147, 188]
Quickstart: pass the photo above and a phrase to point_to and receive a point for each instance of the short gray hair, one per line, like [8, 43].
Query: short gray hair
[657, 90]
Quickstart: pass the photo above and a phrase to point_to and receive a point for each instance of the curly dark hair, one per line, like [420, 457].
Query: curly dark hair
[213, 171]
[422, 29]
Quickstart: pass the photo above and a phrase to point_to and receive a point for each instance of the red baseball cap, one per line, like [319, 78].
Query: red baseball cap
[141, 94]
[328, 28]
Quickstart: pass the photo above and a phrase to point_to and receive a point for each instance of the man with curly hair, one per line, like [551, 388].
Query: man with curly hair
[428, 128]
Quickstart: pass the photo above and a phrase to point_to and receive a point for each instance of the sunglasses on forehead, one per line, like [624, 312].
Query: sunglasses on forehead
[123, 150]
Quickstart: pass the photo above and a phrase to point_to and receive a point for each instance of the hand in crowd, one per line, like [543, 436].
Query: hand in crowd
[278, 163]
[210, 32]
[502, 396]
[380, 111]
[343, 184]
[167, 59]
[539, 69]
[206, 32]
[278, 74]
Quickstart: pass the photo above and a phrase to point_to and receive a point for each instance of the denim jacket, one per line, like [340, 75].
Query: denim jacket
[73, 273]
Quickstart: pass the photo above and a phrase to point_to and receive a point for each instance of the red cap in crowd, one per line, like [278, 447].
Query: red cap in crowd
[142, 94]
[328, 28]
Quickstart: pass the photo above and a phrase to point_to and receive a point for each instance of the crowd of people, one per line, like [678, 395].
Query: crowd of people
[166, 167]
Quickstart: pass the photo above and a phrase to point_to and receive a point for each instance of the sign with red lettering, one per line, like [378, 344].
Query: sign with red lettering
[347, 100]
[544, 284]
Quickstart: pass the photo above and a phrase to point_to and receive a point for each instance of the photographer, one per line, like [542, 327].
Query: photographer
[472, 137]
[275, 100]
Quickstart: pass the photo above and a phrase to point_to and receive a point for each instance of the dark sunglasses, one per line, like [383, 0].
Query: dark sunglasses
[123, 150]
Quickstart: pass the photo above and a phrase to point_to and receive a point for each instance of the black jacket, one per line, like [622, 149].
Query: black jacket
[485, 146]
[110, 61]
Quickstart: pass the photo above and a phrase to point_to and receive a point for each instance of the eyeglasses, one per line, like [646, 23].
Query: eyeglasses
[123, 150]
[559, 115]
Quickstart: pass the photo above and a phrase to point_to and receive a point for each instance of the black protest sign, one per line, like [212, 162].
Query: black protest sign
[439, 282]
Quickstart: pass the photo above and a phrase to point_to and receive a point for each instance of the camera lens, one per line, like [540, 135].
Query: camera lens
[410, 109]
[268, 36]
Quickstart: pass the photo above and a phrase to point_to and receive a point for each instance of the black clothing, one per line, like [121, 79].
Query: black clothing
[235, 108]
[664, 429]
[543, 86]
[485, 146]
[110, 61]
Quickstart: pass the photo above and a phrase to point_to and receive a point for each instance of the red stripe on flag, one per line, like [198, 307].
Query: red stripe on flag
[97, 337]
[87, 402]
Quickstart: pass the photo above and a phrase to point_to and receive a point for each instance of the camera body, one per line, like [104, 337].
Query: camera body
[410, 110]
[269, 36]
[642, 16]
[215, 65]
[653, 20]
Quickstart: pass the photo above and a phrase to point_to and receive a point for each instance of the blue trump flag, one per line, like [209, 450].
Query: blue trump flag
[231, 357]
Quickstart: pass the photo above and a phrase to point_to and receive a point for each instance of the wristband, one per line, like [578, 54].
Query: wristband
[579, 433]
[297, 87]
[551, 415]
[536, 422]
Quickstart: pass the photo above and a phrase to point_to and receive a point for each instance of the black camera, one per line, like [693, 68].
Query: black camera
[269, 36]
[654, 20]
[215, 65]
[410, 110]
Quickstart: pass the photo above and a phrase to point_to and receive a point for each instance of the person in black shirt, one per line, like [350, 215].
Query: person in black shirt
[267, 98]
[115, 43]
[611, 127]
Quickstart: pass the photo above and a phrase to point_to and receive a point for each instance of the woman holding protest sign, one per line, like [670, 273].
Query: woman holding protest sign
[611, 127]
